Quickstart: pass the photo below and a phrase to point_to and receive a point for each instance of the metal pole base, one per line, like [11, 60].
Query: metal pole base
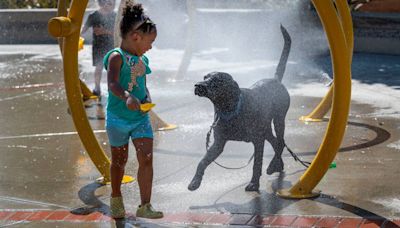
[286, 194]
[310, 119]
[126, 179]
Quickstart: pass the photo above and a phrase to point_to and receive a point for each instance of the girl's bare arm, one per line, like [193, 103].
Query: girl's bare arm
[114, 68]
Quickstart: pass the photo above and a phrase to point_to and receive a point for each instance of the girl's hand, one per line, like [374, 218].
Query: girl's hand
[147, 100]
[133, 103]
[146, 107]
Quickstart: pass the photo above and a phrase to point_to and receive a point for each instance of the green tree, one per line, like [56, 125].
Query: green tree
[5, 4]
[17, 4]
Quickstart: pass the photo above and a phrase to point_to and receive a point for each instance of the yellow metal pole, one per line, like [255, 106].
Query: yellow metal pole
[69, 28]
[63, 12]
[341, 102]
[325, 105]
[317, 115]
[347, 24]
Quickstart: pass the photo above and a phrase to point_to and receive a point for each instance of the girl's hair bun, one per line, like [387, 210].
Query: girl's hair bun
[132, 10]
[134, 19]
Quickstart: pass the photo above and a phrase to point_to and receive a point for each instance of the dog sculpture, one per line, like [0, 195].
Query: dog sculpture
[243, 114]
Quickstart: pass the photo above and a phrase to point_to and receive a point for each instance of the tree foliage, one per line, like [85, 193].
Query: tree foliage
[28, 4]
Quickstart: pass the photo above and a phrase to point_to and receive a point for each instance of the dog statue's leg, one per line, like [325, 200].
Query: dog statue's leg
[257, 166]
[276, 164]
[212, 154]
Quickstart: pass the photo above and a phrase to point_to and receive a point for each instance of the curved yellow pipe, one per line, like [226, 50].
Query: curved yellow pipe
[69, 28]
[347, 24]
[341, 103]
[62, 12]
[317, 115]
[325, 105]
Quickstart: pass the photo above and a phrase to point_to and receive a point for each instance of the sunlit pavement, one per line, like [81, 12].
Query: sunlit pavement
[48, 180]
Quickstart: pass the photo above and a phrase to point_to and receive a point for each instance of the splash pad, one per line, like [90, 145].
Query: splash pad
[338, 28]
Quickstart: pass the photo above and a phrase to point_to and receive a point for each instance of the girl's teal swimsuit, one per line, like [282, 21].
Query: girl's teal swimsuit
[122, 123]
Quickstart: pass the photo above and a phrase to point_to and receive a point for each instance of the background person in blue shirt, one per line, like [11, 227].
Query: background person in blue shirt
[102, 22]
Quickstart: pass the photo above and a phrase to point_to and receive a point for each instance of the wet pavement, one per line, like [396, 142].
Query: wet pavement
[46, 176]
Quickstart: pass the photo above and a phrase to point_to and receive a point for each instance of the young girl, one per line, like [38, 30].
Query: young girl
[102, 21]
[126, 74]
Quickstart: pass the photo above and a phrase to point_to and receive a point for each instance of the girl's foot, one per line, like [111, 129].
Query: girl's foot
[147, 211]
[117, 208]
[97, 93]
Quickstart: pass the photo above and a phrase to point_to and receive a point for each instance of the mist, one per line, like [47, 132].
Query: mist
[237, 31]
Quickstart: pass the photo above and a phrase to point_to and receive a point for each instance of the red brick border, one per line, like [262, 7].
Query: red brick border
[204, 218]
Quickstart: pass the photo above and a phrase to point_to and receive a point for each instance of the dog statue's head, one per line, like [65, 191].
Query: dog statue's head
[220, 88]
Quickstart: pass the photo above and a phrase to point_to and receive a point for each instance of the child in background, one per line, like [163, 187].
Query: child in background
[102, 21]
[126, 74]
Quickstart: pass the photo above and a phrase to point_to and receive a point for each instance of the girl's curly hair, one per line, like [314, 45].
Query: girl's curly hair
[134, 19]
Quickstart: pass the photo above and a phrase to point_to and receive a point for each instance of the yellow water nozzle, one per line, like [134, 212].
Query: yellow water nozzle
[60, 26]
[146, 107]
[81, 42]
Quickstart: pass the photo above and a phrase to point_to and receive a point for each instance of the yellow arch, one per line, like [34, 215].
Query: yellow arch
[324, 106]
[340, 40]
[69, 29]
[62, 12]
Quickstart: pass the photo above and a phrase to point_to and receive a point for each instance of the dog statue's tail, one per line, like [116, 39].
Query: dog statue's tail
[280, 70]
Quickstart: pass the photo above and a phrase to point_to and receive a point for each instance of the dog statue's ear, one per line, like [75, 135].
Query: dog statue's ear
[212, 74]
[230, 89]
[236, 92]
[224, 76]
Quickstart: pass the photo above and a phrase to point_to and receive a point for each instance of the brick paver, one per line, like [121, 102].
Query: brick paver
[305, 221]
[350, 222]
[219, 219]
[372, 223]
[93, 216]
[283, 220]
[5, 214]
[187, 218]
[240, 219]
[197, 218]
[75, 218]
[267, 220]
[39, 215]
[20, 216]
[255, 220]
[328, 222]
[58, 215]
[392, 224]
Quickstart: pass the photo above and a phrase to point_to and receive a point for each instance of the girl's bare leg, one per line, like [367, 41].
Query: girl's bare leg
[144, 152]
[97, 77]
[119, 157]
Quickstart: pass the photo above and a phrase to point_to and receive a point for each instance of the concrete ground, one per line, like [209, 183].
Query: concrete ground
[48, 180]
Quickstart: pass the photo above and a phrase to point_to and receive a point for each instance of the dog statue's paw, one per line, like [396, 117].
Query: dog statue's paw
[276, 166]
[195, 184]
[252, 187]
